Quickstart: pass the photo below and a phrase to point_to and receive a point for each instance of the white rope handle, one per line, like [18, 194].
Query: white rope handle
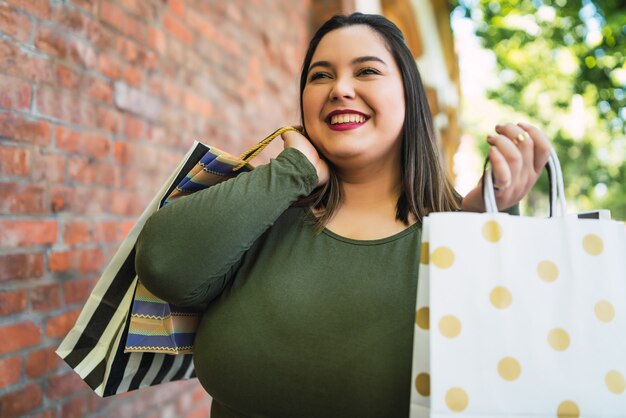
[557, 189]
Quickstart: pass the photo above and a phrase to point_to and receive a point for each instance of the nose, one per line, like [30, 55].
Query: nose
[342, 89]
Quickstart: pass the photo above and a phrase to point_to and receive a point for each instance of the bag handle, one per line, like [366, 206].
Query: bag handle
[256, 149]
[555, 177]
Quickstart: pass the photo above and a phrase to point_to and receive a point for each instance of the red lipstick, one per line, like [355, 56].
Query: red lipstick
[347, 125]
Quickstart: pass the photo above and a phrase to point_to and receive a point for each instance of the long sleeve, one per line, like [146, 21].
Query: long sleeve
[187, 250]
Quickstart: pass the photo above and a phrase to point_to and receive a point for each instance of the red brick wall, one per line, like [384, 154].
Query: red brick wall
[98, 101]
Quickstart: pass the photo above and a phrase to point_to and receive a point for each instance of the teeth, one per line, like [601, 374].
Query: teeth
[347, 118]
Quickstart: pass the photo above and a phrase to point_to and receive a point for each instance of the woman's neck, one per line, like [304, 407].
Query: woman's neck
[370, 189]
[369, 205]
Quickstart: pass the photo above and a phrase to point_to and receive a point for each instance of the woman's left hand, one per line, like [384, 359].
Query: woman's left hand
[518, 155]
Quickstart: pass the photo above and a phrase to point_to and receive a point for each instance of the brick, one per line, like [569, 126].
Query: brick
[10, 371]
[136, 101]
[134, 154]
[78, 200]
[61, 386]
[89, 171]
[141, 9]
[96, 403]
[156, 40]
[45, 297]
[40, 9]
[20, 64]
[61, 324]
[21, 401]
[21, 266]
[62, 105]
[108, 119]
[177, 7]
[25, 233]
[50, 413]
[81, 260]
[67, 139]
[71, 20]
[78, 291]
[125, 228]
[132, 76]
[12, 302]
[101, 90]
[135, 54]
[110, 66]
[82, 54]
[48, 168]
[14, 93]
[201, 25]
[199, 395]
[14, 161]
[124, 203]
[199, 412]
[177, 29]
[89, 6]
[74, 408]
[18, 336]
[52, 42]
[98, 146]
[17, 198]
[68, 78]
[134, 127]
[120, 20]
[19, 129]
[41, 362]
[89, 232]
[16, 25]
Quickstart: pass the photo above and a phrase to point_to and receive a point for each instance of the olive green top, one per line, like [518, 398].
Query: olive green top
[297, 324]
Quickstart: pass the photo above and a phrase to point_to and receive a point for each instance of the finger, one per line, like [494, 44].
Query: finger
[508, 151]
[500, 169]
[541, 147]
[523, 142]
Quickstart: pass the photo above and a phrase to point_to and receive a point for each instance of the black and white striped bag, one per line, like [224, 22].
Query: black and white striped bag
[94, 347]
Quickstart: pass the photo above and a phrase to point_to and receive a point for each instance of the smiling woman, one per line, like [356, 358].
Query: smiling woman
[309, 297]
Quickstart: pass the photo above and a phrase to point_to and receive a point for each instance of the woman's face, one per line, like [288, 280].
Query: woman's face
[353, 100]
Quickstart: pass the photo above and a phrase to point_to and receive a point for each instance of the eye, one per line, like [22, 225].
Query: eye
[318, 75]
[368, 71]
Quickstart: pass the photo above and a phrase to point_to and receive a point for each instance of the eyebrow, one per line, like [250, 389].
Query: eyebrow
[358, 60]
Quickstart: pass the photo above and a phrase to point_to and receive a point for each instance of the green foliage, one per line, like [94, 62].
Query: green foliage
[562, 63]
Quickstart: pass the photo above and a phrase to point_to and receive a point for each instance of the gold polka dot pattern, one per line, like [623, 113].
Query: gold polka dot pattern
[422, 318]
[547, 271]
[568, 409]
[558, 339]
[540, 303]
[604, 311]
[615, 382]
[457, 399]
[422, 384]
[593, 244]
[492, 231]
[450, 326]
[509, 368]
[442, 257]
[500, 297]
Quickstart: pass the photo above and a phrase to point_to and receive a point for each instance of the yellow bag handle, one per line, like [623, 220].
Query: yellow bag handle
[256, 149]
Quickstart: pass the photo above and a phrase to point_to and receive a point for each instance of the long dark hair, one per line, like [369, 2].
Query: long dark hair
[425, 187]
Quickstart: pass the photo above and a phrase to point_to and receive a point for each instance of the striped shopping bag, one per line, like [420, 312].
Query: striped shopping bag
[115, 351]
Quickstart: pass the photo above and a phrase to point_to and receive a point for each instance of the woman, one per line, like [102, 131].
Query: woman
[306, 324]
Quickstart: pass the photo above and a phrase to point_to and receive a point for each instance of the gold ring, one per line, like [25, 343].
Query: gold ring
[521, 137]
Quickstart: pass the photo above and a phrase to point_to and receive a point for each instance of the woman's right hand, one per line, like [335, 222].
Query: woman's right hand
[293, 139]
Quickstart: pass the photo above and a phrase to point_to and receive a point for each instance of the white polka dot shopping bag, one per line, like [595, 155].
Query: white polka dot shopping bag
[520, 317]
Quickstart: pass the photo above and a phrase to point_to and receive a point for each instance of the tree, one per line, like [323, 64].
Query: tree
[562, 63]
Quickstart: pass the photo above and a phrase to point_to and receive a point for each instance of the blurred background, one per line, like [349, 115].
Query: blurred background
[100, 99]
